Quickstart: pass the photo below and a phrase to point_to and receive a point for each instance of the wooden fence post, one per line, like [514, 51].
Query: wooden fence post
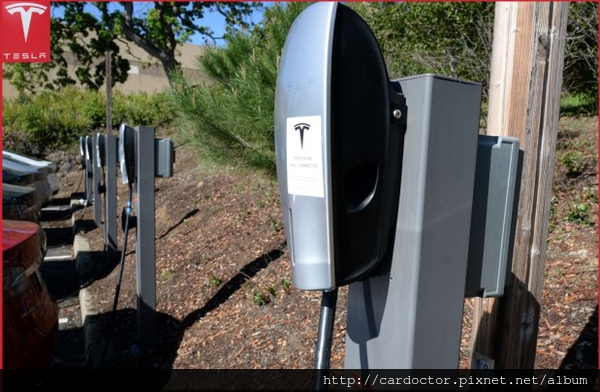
[524, 102]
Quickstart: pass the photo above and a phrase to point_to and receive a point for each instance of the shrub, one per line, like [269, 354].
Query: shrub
[55, 119]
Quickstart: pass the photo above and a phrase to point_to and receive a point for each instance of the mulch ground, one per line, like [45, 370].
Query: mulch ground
[223, 282]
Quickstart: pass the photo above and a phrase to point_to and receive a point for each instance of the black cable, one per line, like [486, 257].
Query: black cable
[122, 263]
[87, 197]
[113, 313]
[324, 338]
[80, 181]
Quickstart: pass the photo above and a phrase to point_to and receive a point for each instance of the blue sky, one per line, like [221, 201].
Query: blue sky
[214, 20]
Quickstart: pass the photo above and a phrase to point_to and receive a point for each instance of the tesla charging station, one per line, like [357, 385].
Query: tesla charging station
[96, 176]
[106, 151]
[142, 158]
[377, 181]
[99, 188]
[89, 170]
[83, 150]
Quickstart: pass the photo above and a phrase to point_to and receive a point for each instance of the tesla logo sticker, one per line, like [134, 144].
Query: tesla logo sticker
[301, 127]
[28, 25]
[305, 156]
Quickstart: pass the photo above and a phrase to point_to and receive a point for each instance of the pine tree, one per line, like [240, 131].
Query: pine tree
[229, 117]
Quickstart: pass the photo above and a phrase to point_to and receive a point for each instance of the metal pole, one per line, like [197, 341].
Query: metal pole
[145, 247]
[110, 198]
[108, 54]
[96, 184]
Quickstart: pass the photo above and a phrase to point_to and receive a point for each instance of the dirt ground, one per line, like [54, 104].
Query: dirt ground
[224, 292]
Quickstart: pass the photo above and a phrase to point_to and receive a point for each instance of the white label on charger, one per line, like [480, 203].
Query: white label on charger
[305, 156]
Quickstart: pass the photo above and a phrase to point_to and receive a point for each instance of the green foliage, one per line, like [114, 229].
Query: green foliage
[575, 162]
[53, 119]
[158, 28]
[580, 213]
[214, 280]
[581, 53]
[286, 284]
[455, 39]
[591, 195]
[581, 104]
[447, 38]
[166, 274]
[264, 296]
[140, 109]
[274, 223]
[230, 118]
[261, 298]
[577, 155]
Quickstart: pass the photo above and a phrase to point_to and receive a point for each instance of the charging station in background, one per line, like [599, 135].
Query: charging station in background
[142, 158]
[387, 187]
[106, 161]
[99, 188]
[89, 169]
[83, 151]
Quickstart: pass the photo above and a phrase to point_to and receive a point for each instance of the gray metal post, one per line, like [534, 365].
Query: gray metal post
[96, 177]
[145, 252]
[82, 149]
[108, 73]
[410, 318]
[110, 198]
[88, 181]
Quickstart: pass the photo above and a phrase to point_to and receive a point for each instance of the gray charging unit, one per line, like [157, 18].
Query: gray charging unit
[339, 130]
[142, 158]
[339, 126]
[83, 153]
[98, 162]
[497, 175]
[96, 180]
[106, 151]
[410, 318]
[89, 170]
[454, 234]
[377, 181]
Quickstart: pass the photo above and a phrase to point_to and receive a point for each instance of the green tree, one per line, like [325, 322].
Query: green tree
[230, 118]
[449, 38]
[455, 39]
[158, 28]
[581, 54]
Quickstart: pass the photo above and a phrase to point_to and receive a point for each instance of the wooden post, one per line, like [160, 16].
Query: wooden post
[108, 65]
[525, 86]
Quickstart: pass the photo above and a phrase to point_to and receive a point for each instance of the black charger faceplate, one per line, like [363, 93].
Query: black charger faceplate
[127, 153]
[367, 137]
